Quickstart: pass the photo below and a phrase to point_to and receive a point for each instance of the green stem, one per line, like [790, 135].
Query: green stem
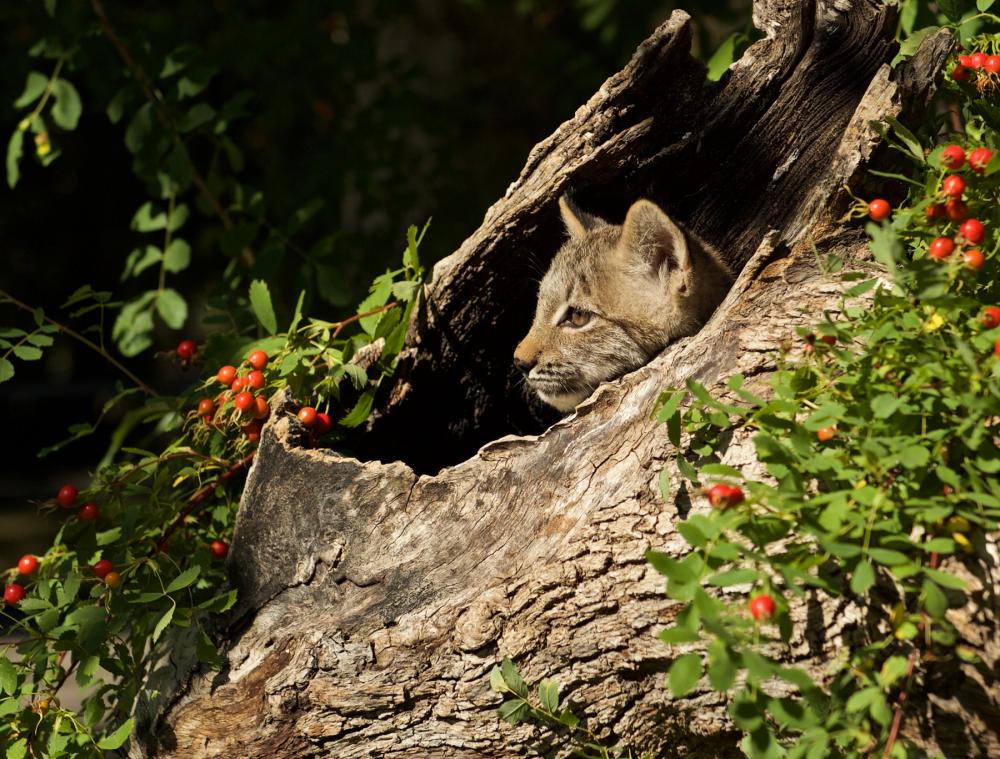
[89, 343]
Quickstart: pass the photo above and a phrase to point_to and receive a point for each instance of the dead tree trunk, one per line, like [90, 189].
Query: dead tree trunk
[374, 599]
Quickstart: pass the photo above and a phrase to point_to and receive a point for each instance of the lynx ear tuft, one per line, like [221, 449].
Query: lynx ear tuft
[650, 237]
[577, 222]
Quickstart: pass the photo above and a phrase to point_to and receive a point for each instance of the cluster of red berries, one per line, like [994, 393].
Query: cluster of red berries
[14, 593]
[241, 387]
[318, 421]
[971, 231]
[983, 66]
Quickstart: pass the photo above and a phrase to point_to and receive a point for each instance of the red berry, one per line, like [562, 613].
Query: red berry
[965, 60]
[186, 349]
[960, 74]
[218, 548]
[723, 496]
[977, 59]
[112, 579]
[27, 564]
[252, 431]
[761, 607]
[828, 339]
[979, 159]
[13, 593]
[973, 259]
[101, 568]
[88, 512]
[243, 401]
[257, 359]
[826, 434]
[990, 317]
[260, 407]
[953, 184]
[208, 418]
[972, 231]
[238, 384]
[255, 379]
[935, 211]
[307, 415]
[996, 348]
[953, 157]
[67, 496]
[992, 64]
[879, 209]
[941, 247]
[206, 406]
[956, 209]
[226, 374]
[323, 423]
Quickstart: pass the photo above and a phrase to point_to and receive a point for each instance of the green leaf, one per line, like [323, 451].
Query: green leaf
[911, 44]
[184, 579]
[914, 457]
[163, 623]
[8, 677]
[117, 738]
[260, 301]
[888, 556]
[984, 5]
[863, 698]
[721, 666]
[935, 600]
[945, 579]
[34, 86]
[951, 8]
[172, 308]
[723, 57]
[27, 352]
[177, 256]
[734, 577]
[15, 149]
[684, 674]
[497, 683]
[548, 694]
[863, 577]
[359, 414]
[66, 108]
[145, 221]
[892, 669]
[18, 749]
[6, 370]
[514, 711]
[513, 678]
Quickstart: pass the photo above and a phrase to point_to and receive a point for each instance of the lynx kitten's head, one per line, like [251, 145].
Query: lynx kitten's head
[614, 297]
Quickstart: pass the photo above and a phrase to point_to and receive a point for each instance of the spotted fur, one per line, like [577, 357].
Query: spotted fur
[613, 297]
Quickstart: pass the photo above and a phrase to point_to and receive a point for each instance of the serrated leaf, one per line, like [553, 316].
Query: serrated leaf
[863, 577]
[163, 623]
[177, 256]
[172, 308]
[15, 149]
[27, 352]
[117, 738]
[684, 674]
[185, 578]
[548, 694]
[18, 749]
[8, 677]
[6, 370]
[260, 302]
[513, 678]
[514, 711]
[362, 409]
[66, 106]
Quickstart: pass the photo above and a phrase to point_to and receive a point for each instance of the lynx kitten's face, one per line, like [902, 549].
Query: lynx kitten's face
[614, 297]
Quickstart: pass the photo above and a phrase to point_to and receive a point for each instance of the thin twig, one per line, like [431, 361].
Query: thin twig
[89, 343]
[338, 326]
[165, 117]
[199, 496]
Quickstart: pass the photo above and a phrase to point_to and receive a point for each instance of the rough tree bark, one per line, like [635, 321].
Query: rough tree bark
[374, 598]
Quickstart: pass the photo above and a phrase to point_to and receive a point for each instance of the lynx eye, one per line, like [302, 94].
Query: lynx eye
[575, 317]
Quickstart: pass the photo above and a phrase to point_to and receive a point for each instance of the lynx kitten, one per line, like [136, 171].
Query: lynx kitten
[613, 297]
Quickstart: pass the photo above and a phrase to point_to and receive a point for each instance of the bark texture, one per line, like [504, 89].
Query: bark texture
[375, 599]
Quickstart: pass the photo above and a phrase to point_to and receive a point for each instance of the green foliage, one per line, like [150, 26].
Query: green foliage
[162, 503]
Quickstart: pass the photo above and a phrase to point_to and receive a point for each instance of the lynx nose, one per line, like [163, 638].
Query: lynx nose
[524, 366]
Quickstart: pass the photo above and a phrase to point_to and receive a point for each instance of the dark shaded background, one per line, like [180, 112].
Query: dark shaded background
[389, 112]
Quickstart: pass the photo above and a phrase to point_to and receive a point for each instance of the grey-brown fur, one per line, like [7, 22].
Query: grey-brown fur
[635, 288]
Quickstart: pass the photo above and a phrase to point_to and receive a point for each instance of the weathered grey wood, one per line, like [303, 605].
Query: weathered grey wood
[374, 600]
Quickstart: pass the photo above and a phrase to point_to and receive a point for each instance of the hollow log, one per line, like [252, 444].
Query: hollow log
[376, 595]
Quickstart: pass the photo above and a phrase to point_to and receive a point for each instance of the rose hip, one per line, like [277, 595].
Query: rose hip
[27, 564]
[226, 375]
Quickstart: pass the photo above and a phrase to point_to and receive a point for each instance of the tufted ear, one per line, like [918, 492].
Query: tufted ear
[577, 222]
[650, 238]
